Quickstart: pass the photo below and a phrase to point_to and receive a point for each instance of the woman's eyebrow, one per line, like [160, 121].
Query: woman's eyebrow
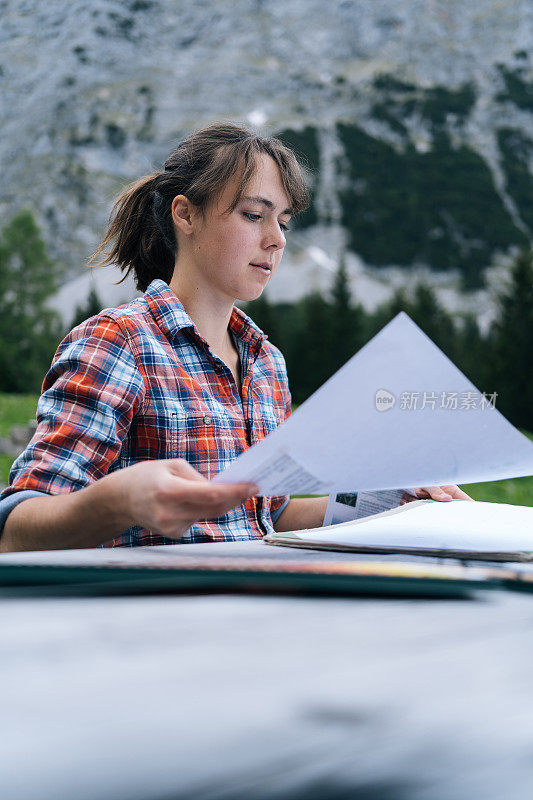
[264, 202]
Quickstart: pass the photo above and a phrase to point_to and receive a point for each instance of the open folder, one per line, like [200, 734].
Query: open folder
[458, 529]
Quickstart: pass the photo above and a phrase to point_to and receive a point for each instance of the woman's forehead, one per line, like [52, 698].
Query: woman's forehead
[264, 187]
[265, 176]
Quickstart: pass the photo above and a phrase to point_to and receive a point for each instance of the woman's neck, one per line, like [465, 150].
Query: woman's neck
[209, 312]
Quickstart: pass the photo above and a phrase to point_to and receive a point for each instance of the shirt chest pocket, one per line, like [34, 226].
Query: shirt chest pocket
[206, 438]
[268, 411]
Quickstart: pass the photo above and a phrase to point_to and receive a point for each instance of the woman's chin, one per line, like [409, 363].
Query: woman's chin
[251, 294]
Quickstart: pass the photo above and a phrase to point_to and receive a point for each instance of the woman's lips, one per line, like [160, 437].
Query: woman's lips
[265, 266]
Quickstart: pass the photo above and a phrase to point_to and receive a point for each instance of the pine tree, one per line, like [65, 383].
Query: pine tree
[399, 303]
[512, 344]
[434, 320]
[471, 353]
[92, 306]
[264, 314]
[347, 320]
[386, 312]
[29, 331]
[311, 362]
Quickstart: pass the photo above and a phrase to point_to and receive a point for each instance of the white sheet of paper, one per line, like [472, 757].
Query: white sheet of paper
[366, 503]
[459, 525]
[339, 440]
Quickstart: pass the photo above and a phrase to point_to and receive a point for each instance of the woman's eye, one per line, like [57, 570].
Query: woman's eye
[254, 217]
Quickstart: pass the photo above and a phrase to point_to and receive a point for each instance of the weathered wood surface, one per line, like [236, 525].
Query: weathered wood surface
[251, 697]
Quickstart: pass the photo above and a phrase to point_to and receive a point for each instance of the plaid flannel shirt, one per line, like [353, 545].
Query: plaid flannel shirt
[138, 382]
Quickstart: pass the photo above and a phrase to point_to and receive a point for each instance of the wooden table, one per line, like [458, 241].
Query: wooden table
[239, 697]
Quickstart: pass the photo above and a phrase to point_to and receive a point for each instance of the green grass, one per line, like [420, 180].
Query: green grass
[17, 409]
[518, 491]
[5, 466]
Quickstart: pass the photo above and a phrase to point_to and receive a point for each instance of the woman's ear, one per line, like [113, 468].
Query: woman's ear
[184, 214]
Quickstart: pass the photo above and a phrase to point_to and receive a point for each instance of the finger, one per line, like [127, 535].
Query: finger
[209, 500]
[182, 468]
[456, 493]
[421, 493]
[407, 497]
[438, 493]
[230, 496]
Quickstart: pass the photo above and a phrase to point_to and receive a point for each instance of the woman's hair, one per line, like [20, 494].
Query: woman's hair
[141, 238]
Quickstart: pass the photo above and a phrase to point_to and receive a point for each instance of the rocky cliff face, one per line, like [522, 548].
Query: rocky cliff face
[415, 117]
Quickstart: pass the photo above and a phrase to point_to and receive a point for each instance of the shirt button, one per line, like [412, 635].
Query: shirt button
[207, 420]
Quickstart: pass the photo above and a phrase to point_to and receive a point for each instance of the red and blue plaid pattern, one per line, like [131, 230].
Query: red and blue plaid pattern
[139, 382]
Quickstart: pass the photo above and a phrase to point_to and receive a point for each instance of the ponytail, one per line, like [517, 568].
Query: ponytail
[141, 239]
[138, 240]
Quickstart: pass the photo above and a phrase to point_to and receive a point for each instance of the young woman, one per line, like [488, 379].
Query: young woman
[143, 404]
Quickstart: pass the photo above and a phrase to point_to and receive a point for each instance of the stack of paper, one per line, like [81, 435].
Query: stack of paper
[397, 414]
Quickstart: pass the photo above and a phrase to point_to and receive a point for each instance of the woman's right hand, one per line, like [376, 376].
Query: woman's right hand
[169, 496]
[165, 497]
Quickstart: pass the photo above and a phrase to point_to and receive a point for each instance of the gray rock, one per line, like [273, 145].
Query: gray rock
[18, 438]
[120, 83]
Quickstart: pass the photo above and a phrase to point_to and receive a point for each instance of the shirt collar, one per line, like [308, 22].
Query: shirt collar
[171, 317]
[245, 328]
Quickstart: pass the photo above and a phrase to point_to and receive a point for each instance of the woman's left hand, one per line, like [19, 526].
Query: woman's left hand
[443, 493]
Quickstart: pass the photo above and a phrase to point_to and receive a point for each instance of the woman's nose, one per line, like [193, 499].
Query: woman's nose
[275, 238]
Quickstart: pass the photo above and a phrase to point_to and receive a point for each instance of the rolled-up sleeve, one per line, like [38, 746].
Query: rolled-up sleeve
[90, 396]
[9, 503]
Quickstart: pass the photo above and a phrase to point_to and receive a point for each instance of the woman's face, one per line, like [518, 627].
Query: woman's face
[236, 253]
